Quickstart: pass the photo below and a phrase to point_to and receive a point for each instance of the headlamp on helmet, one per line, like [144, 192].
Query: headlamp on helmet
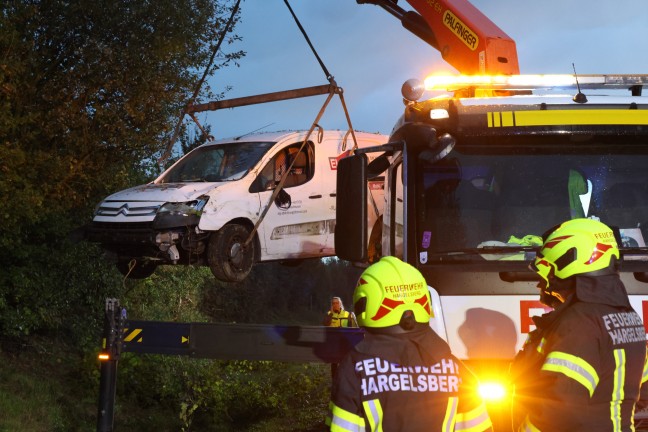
[388, 289]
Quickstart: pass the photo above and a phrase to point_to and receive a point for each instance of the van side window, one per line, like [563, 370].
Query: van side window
[302, 169]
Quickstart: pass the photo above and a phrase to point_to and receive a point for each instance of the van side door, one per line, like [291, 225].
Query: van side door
[297, 223]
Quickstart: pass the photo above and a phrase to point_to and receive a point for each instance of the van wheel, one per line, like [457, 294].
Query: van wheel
[228, 259]
[136, 269]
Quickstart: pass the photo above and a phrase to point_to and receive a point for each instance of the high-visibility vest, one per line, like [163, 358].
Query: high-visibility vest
[342, 319]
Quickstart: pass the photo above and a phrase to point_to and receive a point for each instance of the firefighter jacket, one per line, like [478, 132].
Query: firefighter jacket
[405, 382]
[341, 319]
[581, 369]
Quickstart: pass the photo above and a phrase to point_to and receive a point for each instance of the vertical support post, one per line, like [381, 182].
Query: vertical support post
[107, 389]
[109, 356]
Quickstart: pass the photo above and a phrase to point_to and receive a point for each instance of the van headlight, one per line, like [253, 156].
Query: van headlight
[179, 214]
[189, 208]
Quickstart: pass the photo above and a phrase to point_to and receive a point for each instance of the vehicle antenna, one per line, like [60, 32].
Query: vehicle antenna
[580, 97]
[251, 132]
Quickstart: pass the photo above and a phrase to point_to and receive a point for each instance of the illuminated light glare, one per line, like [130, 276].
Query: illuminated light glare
[445, 82]
[104, 356]
[437, 82]
[492, 391]
[542, 80]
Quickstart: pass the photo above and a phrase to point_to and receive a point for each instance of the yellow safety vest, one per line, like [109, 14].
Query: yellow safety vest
[342, 319]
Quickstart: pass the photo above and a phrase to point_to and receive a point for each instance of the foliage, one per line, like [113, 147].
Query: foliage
[89, 93]
[45, 387]
[211, 395]
[31, 399]
[282, 293]
[188, 143]
[63, 295]
[173, 393]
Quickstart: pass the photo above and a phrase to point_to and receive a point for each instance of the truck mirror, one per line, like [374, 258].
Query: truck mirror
[439, 148]
[351, 209]
[421, 139]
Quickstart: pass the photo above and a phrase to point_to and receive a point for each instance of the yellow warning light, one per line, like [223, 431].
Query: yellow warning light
[453, 82]
[542, 80]
[443, 82]
[492, 391]
[104, 356]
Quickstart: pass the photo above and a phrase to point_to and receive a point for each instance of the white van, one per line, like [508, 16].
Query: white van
[204, 208]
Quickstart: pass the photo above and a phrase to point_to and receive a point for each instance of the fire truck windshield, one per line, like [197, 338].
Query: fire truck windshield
[507, 197]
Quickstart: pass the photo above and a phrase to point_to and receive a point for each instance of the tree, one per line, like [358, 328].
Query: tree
[89, 93]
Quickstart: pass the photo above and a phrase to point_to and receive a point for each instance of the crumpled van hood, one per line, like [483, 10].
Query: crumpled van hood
[166, 192]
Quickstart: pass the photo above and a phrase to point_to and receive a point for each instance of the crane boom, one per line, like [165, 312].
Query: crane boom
[466, 38]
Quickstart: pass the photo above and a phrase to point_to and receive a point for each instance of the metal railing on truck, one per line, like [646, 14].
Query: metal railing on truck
[210, 341]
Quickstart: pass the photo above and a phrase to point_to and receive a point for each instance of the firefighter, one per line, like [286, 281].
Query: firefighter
[402, 376]
[581, 368]
[337, 316]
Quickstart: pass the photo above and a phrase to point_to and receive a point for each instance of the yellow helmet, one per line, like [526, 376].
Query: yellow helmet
[578, 246]
[386, 290]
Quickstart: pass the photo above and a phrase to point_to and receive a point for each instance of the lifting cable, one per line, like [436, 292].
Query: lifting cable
[167, 151]
[329, 77]
[319, 60]
[333, 89]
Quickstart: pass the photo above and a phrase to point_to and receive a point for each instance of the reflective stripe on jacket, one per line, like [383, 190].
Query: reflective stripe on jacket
[582, 368]
[408, 383]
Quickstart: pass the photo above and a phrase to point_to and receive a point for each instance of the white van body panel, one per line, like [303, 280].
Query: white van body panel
[227, 202]
[305, 228]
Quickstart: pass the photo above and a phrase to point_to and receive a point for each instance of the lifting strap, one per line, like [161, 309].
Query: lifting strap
[333, 89]
[284, 176]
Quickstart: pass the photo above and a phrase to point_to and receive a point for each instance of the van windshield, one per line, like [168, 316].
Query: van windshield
[508, 198]
[217, 163]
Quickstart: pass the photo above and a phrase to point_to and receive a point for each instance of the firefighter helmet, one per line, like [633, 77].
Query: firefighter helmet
[386, 290]
[576, 247]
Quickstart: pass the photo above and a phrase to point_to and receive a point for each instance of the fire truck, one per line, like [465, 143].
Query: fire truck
[476, 174]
